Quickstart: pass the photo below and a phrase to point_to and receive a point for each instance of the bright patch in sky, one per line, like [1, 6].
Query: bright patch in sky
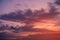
[47, 24]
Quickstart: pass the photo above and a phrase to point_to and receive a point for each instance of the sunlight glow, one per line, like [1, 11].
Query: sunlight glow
[47, 24]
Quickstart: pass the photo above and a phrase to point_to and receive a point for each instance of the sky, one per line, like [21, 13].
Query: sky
[7, 6]
[29, 24]
[13, 5]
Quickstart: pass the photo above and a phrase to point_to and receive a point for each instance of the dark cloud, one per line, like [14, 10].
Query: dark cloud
[57, 2]
[48, 36]
[13, 16]
[28, 12]
[29, 16]
[6, 36]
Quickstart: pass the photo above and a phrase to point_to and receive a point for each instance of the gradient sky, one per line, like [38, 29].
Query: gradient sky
[12, 5]
[25, 26]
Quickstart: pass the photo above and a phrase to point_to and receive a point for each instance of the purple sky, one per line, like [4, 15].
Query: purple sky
[12, 5]
[7, 6]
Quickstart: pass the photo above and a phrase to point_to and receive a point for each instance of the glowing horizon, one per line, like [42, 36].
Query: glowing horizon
[47, 24]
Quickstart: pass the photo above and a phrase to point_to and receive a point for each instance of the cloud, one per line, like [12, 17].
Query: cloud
[51, 36]
[48, 36]
[57, 2]
[57, 24]
[18, 29]
[28, 15]
[13, 16]
[18, 33]
[5, 35]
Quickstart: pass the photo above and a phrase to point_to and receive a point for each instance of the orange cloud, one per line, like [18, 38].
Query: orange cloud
[46, 24]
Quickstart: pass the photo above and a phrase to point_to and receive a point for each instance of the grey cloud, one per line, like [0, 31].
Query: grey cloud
[57, 2]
